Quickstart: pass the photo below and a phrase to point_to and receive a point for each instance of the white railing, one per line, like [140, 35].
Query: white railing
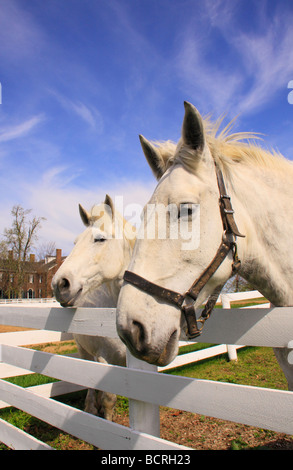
[145, 387]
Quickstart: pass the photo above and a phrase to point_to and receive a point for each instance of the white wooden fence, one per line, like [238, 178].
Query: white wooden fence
[146, 388]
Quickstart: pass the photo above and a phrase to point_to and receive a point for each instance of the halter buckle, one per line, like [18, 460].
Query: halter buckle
[192, 329]
[227, 211]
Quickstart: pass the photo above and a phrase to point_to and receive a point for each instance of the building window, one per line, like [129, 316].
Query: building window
[11, 277]
[31, 278]
[40, 279]
[1, 276]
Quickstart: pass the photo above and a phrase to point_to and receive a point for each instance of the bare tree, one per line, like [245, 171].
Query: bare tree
[46, 249]
[3, 249]
[20, 238]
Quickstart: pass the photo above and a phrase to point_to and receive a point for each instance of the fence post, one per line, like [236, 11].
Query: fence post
[143, 417]
[231, 350]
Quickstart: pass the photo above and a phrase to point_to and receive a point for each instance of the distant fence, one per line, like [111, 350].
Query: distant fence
[140, 382]
[27, 301]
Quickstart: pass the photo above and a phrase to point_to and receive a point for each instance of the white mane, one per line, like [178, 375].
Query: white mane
[227, 149]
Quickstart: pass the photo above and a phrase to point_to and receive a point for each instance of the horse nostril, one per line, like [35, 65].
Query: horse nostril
[63, 284]
[134, 335]
[138, 334]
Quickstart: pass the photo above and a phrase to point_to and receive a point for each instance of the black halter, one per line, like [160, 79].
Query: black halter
[228, 244]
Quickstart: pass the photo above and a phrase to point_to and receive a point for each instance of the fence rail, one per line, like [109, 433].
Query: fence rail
[140, 382]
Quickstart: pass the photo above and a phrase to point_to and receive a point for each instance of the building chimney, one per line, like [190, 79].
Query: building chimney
[58, 256]
[32, 258]
[10, 255]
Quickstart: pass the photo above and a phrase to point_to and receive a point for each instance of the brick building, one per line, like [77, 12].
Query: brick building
[37, 276]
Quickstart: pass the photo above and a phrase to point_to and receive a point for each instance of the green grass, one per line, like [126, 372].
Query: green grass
[30, 380]
[255, 366]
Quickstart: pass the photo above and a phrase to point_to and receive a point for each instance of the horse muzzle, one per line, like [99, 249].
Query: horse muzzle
[64, 292]
[145, 339]
[133, 338]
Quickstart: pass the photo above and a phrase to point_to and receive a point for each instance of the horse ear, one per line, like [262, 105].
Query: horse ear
[192, 129]
[153, 157]
[108, 202]
[85, 217]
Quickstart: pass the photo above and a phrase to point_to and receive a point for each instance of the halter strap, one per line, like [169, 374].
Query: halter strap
[154, 289]
[227, 212]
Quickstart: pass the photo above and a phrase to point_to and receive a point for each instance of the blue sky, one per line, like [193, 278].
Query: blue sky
[80, 79]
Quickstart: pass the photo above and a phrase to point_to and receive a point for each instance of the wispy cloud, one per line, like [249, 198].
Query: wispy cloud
[88, 113]
[210, 87]
[20, 130]
[268, 60]
[20, 37]
[135, 40]
[262, 65]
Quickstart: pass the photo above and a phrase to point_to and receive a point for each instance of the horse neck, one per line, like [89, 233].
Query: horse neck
[264, 214]
[101, 297]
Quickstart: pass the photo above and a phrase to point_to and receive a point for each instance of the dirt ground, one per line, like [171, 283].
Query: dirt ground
[206, 433]
[7, 328]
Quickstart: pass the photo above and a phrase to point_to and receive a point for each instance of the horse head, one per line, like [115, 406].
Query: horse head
[187, 195]
[100, 255]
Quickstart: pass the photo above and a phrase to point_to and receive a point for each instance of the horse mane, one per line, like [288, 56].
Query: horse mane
[227, 149]
[241, 147]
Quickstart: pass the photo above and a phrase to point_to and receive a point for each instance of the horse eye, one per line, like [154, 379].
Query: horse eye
[186, 209]
[100, 239]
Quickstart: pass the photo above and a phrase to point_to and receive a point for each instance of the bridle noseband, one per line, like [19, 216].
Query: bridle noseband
[228, 244]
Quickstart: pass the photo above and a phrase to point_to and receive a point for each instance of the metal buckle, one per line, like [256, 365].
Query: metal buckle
[191, 321]
[227, 211]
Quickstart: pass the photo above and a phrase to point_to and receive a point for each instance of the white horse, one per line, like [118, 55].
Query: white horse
[261, 190]
[91, 276]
